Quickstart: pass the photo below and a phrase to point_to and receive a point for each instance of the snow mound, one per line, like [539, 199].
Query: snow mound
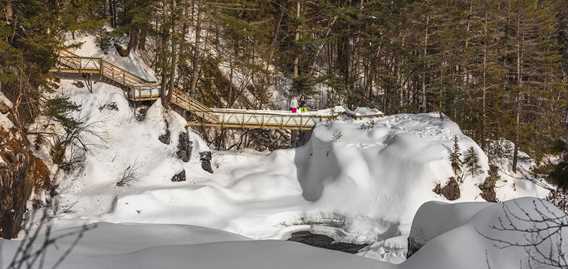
[385, 170]
[471, 235]
[457, 236]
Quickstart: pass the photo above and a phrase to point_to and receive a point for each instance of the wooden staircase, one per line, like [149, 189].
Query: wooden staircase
[136, 87]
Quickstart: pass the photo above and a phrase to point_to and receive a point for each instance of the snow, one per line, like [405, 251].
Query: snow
[457, 237]
[5, 100]
[466, 239]
[167, 246]
[5, 122]
[357, 181]
[360, 181]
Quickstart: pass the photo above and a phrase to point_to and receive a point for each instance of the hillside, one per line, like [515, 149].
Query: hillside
[356, 181]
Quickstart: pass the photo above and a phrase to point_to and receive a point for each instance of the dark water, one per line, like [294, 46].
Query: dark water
[323, 241]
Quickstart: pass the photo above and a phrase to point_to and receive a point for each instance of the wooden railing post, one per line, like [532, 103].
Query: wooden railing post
[101, 67]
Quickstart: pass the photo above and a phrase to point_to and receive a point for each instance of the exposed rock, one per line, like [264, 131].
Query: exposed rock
[110, 106]
[78, 84]
[324, 241]
[185, 147]
[166, 136]
[179, 177]
[451, 191]
[488, 186]
[140, 113]
[488, 194]
[205, 158]
[413, 247]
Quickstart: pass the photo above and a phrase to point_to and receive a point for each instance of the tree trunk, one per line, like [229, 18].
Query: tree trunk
[196, 54]
[297, 40]
[425, 53]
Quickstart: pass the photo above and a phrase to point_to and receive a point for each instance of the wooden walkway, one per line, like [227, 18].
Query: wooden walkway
[139, 89]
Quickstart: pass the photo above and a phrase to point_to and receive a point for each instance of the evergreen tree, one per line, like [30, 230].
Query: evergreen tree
[471, 162]
[455, 158]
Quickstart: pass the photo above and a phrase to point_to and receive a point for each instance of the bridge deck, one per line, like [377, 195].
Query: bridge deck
[269, 119]
[139, 89]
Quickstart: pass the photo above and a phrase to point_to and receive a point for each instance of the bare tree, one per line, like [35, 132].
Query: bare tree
[538, 230]
[39, 238]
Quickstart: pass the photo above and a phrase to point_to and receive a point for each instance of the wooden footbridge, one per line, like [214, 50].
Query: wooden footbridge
[138, 89]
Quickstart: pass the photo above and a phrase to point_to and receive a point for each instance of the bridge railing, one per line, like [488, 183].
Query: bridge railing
[230, 118]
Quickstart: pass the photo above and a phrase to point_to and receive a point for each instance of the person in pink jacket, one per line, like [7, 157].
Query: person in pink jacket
[294, 104]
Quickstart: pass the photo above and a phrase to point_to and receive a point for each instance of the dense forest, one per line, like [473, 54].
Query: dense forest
[498, 68]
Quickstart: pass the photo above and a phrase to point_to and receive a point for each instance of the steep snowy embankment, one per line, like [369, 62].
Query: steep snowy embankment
[354, 181]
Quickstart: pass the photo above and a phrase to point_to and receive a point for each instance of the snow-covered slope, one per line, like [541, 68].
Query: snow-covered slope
[354, 181]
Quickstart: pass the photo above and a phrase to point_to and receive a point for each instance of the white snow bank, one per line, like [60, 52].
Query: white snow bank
[470, 237]
[435, 218]
[167, 246]
[464, 243]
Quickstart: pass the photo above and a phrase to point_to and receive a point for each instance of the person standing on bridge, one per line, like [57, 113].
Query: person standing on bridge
[302, 104]
[294, 104]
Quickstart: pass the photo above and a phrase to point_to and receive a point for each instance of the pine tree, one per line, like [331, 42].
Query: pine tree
[455, 158]
[471, 162]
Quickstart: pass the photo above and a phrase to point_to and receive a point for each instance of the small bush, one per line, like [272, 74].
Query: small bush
[129, 175]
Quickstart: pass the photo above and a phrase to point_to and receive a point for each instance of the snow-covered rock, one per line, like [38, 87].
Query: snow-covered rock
[482, 235]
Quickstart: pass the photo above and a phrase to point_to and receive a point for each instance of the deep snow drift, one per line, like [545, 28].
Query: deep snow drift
[354, 181]
[454, 236]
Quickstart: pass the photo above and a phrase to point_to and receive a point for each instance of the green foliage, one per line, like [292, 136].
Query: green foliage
[60, 109]
[471, 162]
[455, 157]
[559, 175]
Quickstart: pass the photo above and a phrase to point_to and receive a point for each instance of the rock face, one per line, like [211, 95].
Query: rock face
[185, 147]
[179, 177]
[205, 158]
[413, 247]
[165, 137]
[451, 191]
[488, 186]
[140, 113]
[488, 194]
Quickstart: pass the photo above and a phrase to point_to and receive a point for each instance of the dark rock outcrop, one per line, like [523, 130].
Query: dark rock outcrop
[451, 191]
[185, 147]
[179, 177]
[205, 158]
[166, 136]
